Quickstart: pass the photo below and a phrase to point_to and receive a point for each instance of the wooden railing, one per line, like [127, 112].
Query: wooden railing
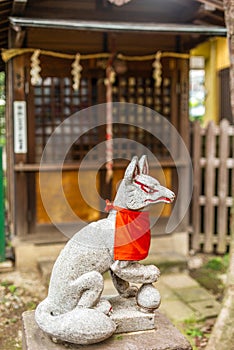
[213, 163]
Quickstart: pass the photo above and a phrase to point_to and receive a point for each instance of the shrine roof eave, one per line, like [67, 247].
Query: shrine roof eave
[166, 28]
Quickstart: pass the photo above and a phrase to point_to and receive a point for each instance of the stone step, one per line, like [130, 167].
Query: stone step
[6, 266]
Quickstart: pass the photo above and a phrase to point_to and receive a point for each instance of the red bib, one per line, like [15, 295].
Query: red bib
[132, 234]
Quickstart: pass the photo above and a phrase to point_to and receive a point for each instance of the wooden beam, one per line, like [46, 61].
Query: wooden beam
[18, 36]
[211, 16]
[18, 7]
[118, 26]
[218, 4]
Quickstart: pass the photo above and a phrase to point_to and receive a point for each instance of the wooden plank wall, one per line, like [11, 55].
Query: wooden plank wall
[213, 163]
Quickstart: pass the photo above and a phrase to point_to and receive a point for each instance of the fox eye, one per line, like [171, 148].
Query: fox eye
[145, 188]
[149, 189]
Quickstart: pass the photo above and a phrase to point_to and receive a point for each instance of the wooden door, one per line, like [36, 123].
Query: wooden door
[51, 103]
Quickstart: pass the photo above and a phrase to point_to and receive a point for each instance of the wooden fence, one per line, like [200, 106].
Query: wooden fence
[213, 163]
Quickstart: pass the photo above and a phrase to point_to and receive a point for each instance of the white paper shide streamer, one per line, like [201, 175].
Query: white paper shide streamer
[157, 72]
[76, 72]
[119, 2]
[35, 68]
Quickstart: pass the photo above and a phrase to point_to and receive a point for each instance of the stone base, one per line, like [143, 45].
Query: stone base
[162, 337]
[128, 317]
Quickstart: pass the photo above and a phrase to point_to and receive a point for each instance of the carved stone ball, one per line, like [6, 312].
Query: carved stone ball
[148, 297]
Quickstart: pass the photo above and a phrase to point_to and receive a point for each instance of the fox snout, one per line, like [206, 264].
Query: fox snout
[168, 194]
[163, 195]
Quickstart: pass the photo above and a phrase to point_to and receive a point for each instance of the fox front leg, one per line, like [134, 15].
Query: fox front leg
[88, 289]
[123, 287]
[132, 271]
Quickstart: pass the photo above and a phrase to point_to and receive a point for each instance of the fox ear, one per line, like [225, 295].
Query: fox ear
[143, 165]
[132, 170]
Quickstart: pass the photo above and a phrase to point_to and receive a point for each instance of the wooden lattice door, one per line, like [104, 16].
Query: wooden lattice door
[54, 101]
[138, 87]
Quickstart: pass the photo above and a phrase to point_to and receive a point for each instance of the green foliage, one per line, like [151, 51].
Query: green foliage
[13, 320]
[4, 283]
[190, 321]
[2, 109]
[210, 274]
[12, 288]
[194, 332]
[31, 305]
[218, 263]
[226, 260]
[200, 118]
[2, 85]
[118, 337]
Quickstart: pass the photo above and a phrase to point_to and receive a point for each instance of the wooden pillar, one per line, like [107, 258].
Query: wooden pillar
[21, 193]
[183, 114]
[31, 181]
[10, 149]
[179, 72]
[174, 91]
[105, 188]
[184, 130]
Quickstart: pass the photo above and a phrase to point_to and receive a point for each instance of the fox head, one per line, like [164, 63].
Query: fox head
[138, 189]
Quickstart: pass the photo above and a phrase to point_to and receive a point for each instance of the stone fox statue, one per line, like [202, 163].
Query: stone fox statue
[73, 310]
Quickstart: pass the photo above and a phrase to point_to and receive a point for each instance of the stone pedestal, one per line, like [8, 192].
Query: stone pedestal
[135, 331]
[128, 317]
